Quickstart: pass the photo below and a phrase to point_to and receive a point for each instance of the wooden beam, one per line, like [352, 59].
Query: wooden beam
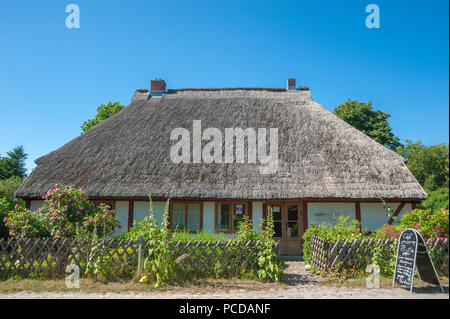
[130, 214]
[27, 204]
[250, 210]
[305, 215]
[358, 214]
[264, 214]
[413, 206]
[397, 211]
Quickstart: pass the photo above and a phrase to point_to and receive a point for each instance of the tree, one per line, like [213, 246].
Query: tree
[13, 164]
[103, 112]
[371, 122]
[429, 164]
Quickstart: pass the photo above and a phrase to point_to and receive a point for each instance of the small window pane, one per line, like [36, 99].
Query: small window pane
[178, 217]
[277, 229]
[292, 230]
[193, 217]
[239, 212]
[276, 212]
[223, 217]
[293, 212]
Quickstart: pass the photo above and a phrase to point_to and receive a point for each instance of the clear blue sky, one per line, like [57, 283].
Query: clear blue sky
[53, 78]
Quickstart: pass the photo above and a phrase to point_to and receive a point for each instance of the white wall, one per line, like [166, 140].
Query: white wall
[122, 216]
[373, 215]
[142, 209]
[36, 204]
[209, 217]
[324, 211]
[257, 210]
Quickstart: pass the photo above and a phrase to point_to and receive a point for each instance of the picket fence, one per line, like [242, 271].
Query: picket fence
[326, 255]
[52, 256]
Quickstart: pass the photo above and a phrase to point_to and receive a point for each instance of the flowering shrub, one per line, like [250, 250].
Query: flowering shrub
[65, 212]
[389, 232]
[431, 224]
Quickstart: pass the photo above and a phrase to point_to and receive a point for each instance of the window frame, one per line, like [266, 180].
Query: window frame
[186, 204]
[231, 217]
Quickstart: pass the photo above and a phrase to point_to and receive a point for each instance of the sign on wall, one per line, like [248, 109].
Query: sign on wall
[412, 253]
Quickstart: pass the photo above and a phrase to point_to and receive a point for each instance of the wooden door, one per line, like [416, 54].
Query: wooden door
[288, 226]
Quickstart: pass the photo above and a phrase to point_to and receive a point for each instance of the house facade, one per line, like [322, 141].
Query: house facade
[222, 153]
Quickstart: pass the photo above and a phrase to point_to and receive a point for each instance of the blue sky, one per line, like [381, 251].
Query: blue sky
[53, 78]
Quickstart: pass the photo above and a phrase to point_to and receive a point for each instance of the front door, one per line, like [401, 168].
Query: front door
[287, 218]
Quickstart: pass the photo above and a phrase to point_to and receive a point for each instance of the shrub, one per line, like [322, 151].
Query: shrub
[342, 229]
[436, 200]
[431, 224]
[198, 236]
[64, 210]
[389, 232]
[270, 268]
[160, 265]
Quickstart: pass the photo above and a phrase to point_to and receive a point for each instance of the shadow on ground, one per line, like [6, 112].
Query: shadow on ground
[296, 274]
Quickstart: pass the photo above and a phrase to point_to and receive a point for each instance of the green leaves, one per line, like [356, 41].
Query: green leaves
[103, 112]
[13, 164]
[371, 122]
[429, 164]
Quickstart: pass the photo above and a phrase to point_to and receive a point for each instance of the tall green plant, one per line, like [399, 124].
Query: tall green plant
[160, 265]
[270, 267]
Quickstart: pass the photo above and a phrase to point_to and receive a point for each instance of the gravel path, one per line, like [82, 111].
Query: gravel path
[301, 285]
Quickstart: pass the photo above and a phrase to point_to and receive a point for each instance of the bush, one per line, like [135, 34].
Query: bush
[270, 268]
[436, 200]
[431, 224]
[341, 230]
[198, 236]
[64, 212]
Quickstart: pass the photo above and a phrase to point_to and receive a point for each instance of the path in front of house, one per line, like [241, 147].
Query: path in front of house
[300, 284]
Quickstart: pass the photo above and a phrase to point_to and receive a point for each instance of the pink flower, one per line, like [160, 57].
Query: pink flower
[16, 207]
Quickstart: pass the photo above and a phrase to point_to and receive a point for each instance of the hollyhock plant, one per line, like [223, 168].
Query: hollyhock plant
[64, 210]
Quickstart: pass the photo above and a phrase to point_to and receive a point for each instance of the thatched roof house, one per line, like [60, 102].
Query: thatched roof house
[321, 158]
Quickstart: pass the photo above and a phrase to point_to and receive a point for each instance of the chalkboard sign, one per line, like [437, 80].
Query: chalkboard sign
[412, 253]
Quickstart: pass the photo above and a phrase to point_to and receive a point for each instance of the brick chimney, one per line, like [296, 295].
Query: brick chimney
[157, 88]
[291, 85]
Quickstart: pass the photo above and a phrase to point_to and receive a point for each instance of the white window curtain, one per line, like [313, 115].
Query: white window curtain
[194, 217]
[178, 217]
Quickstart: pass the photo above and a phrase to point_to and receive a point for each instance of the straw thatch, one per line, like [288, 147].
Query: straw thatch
[320, 156]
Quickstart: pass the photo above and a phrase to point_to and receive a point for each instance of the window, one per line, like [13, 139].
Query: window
[108, 203]
[186, 217]
[229, 215]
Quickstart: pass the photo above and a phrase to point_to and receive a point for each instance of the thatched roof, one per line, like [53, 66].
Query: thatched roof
[320, 156]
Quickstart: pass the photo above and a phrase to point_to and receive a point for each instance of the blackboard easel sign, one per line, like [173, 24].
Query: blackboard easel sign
[412, 253]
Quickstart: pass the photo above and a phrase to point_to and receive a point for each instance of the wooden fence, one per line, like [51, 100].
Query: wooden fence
[326, 255]
[52, 256]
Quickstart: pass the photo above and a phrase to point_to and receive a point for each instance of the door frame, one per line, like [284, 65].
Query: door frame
[283, 246]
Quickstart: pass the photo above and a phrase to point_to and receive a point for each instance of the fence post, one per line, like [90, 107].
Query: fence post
[139, 257]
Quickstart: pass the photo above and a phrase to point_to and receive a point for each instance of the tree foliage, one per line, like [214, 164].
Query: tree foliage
[103, 112]
[371, 122]
[429, 164]
[13, 164]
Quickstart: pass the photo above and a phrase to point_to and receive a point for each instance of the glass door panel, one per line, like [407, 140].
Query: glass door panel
[292, 221]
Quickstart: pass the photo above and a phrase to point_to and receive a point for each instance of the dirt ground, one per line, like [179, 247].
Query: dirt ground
[298, 284]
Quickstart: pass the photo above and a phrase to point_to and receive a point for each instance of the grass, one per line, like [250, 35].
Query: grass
[91, 286]
[360, 281]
